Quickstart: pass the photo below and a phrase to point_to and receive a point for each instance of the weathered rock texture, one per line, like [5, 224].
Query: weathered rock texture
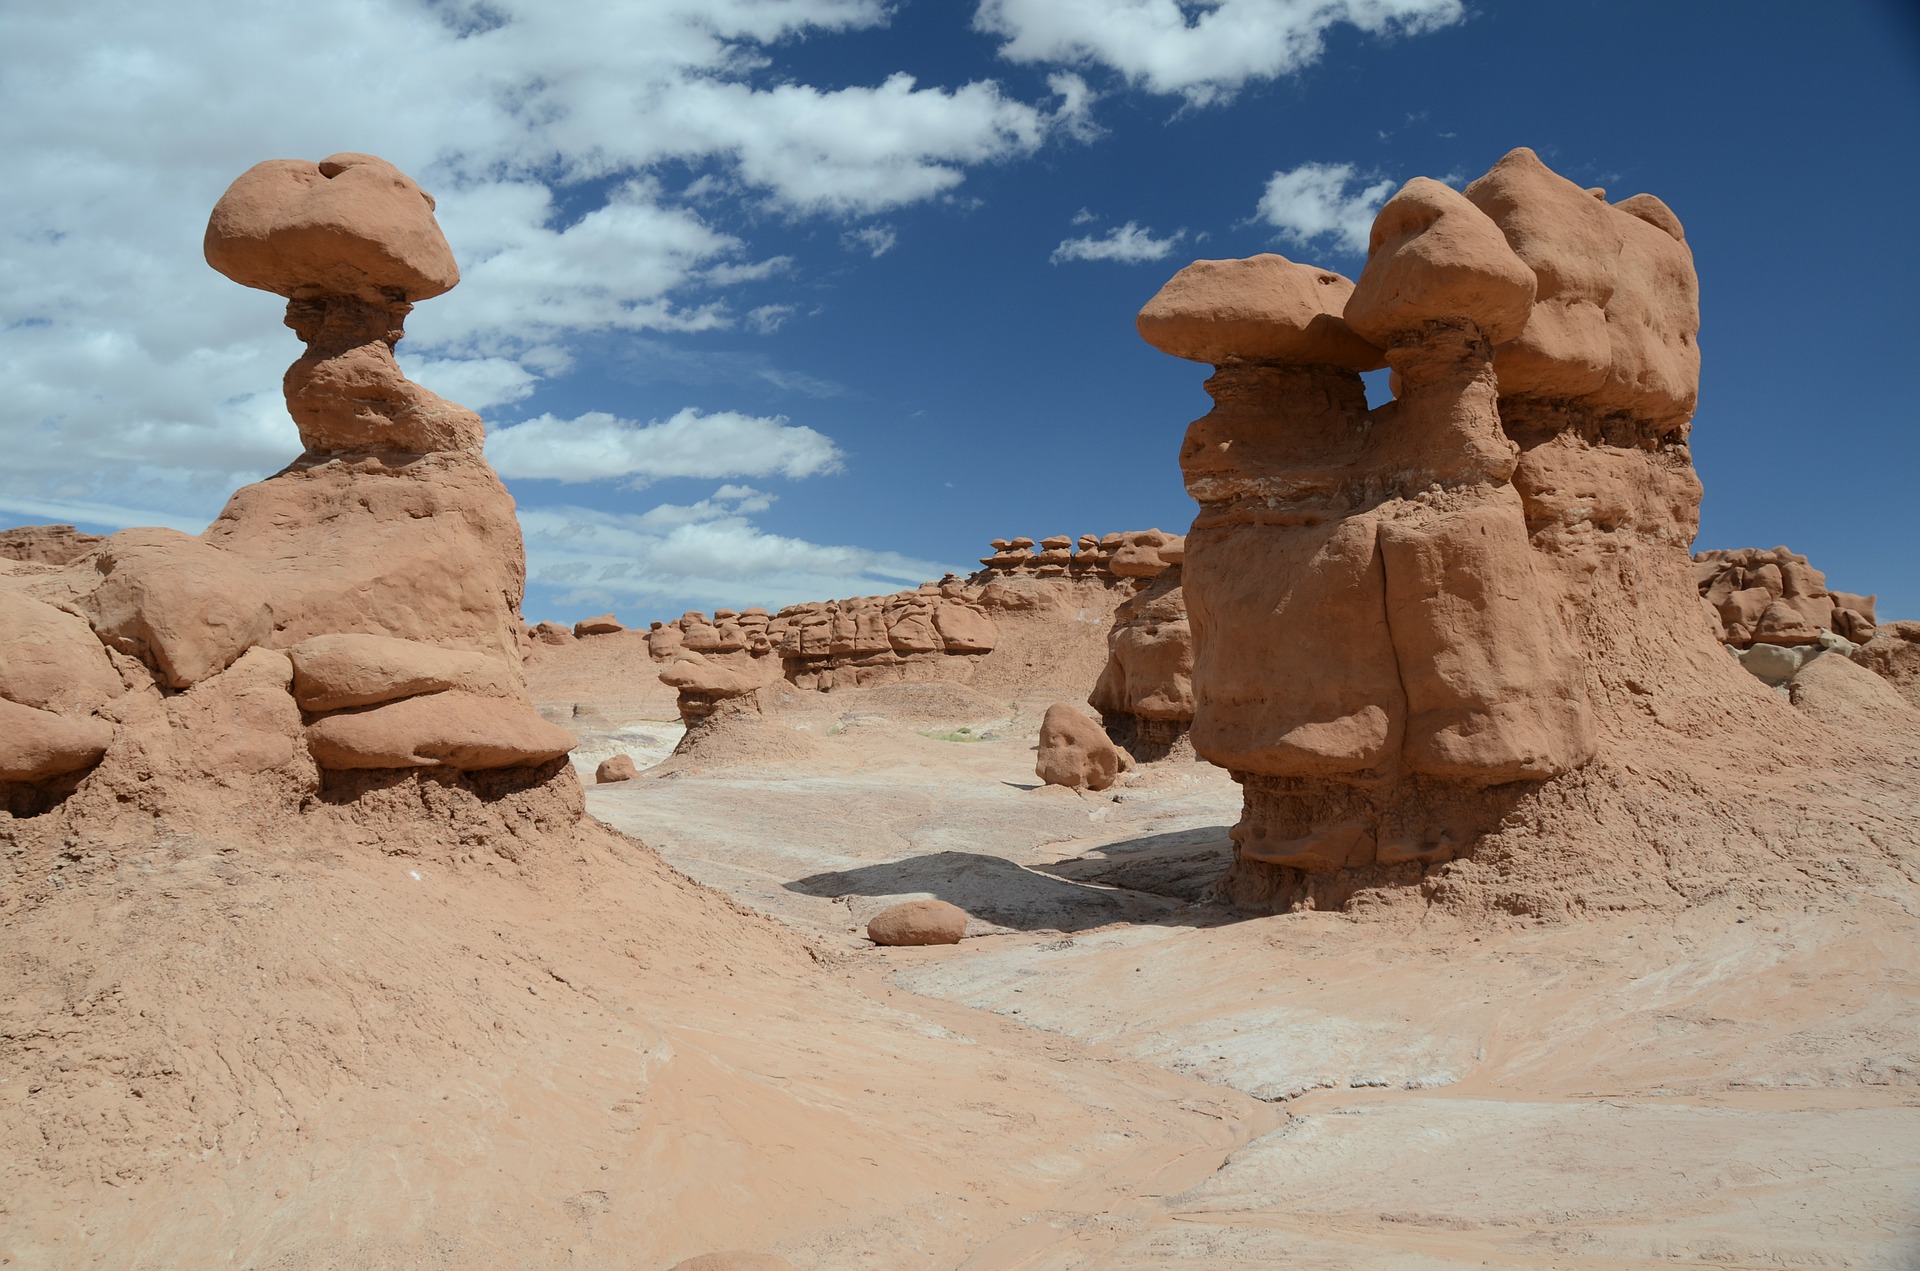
[355, 614]
[1076, 752]
[45, 544]
[1022, 618]
[1145, 691]
[1406, 620]
[918, 922]
[1776, 597]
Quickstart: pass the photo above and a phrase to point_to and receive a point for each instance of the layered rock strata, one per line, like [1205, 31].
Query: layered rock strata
[350, 619]
[1405, 619]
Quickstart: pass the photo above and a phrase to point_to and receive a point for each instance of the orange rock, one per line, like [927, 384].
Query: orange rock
[51, 659]
[916, 922]
[1265, 308]
[1617, 307]
[182, 606]
[1435, 257]
[1075, 751]
[45, 544]
[36, 745]
[604, 624]
[451, 729]
[351, 224]
[615, 768]
[335, 672]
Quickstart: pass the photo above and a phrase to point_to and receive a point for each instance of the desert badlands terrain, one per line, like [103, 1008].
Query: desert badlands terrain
[1423, 861]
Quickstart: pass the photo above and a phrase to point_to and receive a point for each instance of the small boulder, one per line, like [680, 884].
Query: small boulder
[51, 659]
[617, 768]
[184, 607]
[552, 633]
[918, 922]
[603, 624]
[36, 745]
[451, 729]
[1076, 752]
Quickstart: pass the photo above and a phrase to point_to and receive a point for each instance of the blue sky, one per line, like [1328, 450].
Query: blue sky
[754, 317]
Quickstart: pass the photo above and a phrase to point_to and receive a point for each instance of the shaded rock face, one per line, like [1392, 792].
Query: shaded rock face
[1405, 618]
[1145, 692]
[349, 620]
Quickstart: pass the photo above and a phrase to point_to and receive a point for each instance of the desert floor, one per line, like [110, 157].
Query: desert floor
[1732, 1084]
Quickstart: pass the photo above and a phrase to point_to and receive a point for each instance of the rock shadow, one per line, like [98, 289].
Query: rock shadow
[1169, 873]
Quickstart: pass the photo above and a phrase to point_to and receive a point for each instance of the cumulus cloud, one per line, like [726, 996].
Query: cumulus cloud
[1323, 201]
[706, 554]
[550, 134]
[1202, 50]
[1126, 243]
[598, 446]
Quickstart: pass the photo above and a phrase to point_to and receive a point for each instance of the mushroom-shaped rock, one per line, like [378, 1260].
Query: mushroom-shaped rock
[1075, 751]
[615, 768]
[351, 225]
[51, 659]
[918, 922]
[1139, 554]
[36, 745]
[1434, 257]
[451, 729]
[1265, 308]
[185, 608]
[337, 672]
[601, 624]
[692, 673]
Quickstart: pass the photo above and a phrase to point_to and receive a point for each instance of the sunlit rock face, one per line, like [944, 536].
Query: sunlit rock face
[1406, 618]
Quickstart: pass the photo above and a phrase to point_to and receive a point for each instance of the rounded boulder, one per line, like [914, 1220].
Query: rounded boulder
[918, 922]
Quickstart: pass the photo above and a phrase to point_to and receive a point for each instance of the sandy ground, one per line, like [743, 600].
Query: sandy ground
[1738, 1085]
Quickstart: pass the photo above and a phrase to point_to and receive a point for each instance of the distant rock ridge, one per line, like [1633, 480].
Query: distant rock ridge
[944, 631]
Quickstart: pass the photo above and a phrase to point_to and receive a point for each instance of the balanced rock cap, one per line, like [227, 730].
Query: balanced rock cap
[351, 224]
[1435, 257]
[1264, 308]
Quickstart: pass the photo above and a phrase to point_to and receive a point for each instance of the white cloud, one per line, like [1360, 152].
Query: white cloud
[598, 446]
[1203, 50]
[1084, 217]
[1074, 115]
[1127, 243]
[875, 240]
[706, 554]
[139, 378]
[769, 318]
[1317, 201]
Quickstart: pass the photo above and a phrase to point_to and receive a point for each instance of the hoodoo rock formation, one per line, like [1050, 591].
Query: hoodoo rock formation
[1145, 691]
[1406, 619]
[356, 614]
[1776, 597]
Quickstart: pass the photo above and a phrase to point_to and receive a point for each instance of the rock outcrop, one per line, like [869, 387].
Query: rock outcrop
[1076, 752]
[45, 544]
[1145, 692]
[1776, 597]
[356, 613]
[1406, 619]
[918, 922]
